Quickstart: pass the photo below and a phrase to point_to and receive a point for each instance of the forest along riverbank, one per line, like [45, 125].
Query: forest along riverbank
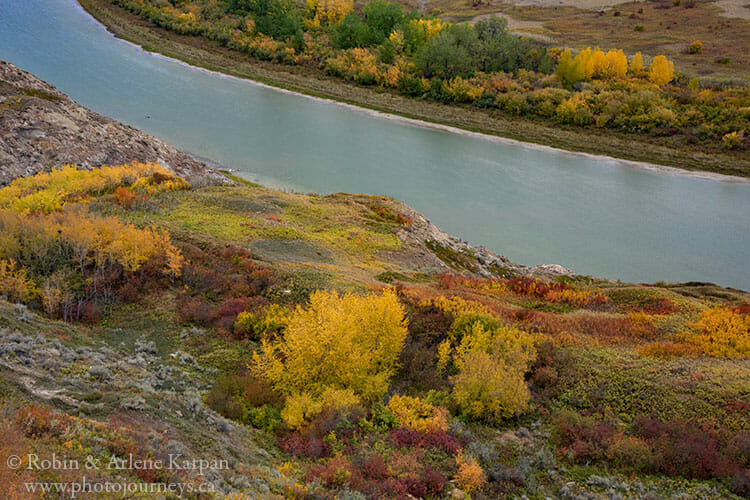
[201, 53]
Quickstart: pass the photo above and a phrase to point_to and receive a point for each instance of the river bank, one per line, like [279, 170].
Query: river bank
[198, 52]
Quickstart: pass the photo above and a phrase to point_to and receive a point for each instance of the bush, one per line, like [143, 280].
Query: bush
[732, 140]
[695, 47]
[661, 70]
[583, 438]
[15, 283]
[233, 392]
[304, 445]
[271, 322]
[300, 409]
[265, 417]
[721, 331]
[418, 415]
[347, 342]
[37, 422]
[470, 475]
[632, 454]
[685, 449]
[491, 365]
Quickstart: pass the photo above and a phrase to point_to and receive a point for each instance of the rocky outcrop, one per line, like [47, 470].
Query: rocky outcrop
[427, 248]
[42, 128]
[461, 256]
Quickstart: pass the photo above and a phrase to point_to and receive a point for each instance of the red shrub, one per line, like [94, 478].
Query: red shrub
[441, 440]
[304, 446]
[194, 310]
[433, 480]
[404, 437]
[656, 306]
[585, 438]
[429, 320]
[375, 468]
[36, 421]
[336, 473]
[685, 449]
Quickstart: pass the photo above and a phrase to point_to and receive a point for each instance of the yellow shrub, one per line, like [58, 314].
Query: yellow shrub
[15, 283]
[328, 11]
[733, 139]
[470, 475]
[462, 90]
[722, 332]
[418, 415]
[92, 238]
[301, 408]
[344, 341]
[668, 350]
[455, 306]
[272, 321]
[491, 366]
[48, 192]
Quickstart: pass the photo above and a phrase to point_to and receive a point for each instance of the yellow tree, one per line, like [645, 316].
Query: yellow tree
[661, 70]
[348, 342]
[491, 365]
[636, 64]
[328, 11]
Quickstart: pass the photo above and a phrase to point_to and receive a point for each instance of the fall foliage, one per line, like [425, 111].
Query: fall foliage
[661, 70]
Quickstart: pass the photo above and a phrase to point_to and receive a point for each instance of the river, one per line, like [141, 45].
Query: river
[535, 205]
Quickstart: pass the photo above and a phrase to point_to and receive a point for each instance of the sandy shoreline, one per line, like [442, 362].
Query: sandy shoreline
[662, 169]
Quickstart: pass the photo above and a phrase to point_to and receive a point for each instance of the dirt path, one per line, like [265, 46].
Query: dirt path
[513, 24]
[581, 4]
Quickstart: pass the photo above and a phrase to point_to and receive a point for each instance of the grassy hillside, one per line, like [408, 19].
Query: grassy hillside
[486, 384]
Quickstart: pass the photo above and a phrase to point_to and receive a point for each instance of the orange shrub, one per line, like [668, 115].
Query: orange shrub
[668, 350]
[470, 475]
[37, 421]
[722, 332]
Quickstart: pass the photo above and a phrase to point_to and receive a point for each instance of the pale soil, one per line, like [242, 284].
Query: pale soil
[513, 24]
[734, 8]
[581, 4]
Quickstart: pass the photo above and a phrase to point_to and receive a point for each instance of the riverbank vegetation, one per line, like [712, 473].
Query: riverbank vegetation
[482, 66]
[360, 371]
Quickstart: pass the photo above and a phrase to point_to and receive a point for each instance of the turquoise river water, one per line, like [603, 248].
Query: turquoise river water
[594, 215]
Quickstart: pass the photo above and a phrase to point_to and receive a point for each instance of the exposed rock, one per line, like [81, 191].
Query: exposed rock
[42, 128]
[443, 252]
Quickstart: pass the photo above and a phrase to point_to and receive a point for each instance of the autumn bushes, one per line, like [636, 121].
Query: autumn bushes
[335, 354]
[649, 446]
[48, 192]
[722, 332]
[56, 251]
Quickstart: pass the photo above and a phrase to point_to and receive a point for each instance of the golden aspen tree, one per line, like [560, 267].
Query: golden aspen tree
[491, 365]
[661, 70]
[340, 341]
[636, 64]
